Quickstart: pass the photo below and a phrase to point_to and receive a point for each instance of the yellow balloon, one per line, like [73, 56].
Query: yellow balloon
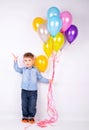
[48, 47]
[37, 21]
[41, 63]
[58, 41]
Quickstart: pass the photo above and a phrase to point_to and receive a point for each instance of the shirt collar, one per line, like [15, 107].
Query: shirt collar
[29, 67]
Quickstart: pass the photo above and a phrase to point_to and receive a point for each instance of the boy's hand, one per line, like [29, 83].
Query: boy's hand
[50, 80]
[15, 57]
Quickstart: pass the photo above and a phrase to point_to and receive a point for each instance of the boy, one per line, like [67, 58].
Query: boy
[30, 76]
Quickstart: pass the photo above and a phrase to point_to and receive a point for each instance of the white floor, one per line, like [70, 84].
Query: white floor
[14, 124]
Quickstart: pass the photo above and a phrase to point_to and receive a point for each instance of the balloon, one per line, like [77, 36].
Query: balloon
[41, 63]
[48, 47]
[37, 21]
[58, 41]
[54, 25]
[53, 11]
[43, 32]
[71, 33]
[66, 18]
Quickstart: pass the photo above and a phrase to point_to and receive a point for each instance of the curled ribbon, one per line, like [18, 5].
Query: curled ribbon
[52, 113]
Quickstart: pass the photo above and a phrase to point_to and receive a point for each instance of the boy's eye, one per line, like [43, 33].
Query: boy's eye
[27, 60]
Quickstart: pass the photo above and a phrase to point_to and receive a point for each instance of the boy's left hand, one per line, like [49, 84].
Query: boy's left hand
[50, 80]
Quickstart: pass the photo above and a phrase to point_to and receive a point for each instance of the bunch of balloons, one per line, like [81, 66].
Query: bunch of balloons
[54, 31]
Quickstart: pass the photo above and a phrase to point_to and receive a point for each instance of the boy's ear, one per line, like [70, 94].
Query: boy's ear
[33, 61]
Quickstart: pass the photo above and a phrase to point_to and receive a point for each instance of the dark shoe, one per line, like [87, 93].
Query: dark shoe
[31, 120]
[24, 120]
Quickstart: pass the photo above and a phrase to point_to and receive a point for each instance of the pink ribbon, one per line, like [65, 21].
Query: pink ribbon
[52, 113]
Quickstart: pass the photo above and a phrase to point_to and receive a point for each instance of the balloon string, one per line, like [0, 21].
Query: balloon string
[52, 113]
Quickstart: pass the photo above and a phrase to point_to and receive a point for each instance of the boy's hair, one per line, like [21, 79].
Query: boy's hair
[28, 54]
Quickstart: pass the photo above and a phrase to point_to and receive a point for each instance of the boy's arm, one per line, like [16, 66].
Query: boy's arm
[16, 67]
[41, 78]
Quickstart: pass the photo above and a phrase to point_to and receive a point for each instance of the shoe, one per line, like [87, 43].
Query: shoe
[31, 120]
[24, 120]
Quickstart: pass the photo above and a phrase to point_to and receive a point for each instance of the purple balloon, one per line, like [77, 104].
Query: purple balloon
[71, 33]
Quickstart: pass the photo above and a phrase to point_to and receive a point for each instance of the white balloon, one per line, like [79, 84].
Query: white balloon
[43, 32]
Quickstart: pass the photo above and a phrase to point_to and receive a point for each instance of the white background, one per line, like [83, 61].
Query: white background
[71, 84]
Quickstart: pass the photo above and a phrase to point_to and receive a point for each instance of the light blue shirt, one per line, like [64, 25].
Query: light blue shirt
[30, 76]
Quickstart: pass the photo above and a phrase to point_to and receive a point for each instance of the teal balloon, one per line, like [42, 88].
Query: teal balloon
[54, 25]
[53, 11]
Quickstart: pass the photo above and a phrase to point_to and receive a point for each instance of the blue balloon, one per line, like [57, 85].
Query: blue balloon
[54, 25]
[53, 11]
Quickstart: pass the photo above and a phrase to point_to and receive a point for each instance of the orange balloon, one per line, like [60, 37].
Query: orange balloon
[41, 63]
[37, 21]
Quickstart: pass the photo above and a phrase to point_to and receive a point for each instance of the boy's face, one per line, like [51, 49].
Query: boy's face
[28, 62]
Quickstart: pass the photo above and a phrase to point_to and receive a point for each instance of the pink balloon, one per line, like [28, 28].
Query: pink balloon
[66, 18]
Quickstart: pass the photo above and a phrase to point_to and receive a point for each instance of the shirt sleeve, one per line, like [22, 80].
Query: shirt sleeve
[41, 78]
[17, 68]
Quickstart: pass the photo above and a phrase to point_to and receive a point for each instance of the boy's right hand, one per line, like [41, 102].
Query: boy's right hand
[15, 57]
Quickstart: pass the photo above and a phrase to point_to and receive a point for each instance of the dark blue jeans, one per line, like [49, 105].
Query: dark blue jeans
[29, 101]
